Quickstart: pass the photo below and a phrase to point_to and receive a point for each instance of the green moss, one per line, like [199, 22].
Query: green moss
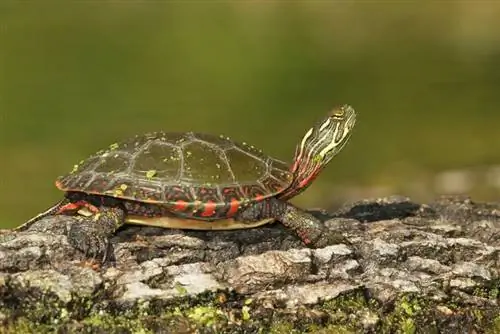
[21, 326]
[408, 326]
[228, 312]
[495, 326]
[107, 322]
[150, 173]
[245, 312]
[205, 315]
[340, 310]
[407, 315]
[113, 146]
[492, 291]
[281, 327]
[332, 329]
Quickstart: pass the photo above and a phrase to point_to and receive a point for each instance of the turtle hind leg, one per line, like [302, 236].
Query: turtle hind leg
[91, 234]
[307, 227]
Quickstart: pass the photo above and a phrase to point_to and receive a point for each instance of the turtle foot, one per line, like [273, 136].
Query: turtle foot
[90, 240]
[329, 238]
[91, 234]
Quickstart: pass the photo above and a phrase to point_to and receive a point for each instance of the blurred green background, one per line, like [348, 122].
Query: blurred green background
[424, 78]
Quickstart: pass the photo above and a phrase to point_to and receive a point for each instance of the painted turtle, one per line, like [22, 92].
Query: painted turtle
[197, 181]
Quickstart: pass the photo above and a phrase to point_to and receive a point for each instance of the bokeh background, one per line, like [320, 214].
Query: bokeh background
[423, 76]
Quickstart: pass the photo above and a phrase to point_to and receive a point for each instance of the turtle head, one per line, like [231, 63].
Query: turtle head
[319, 145]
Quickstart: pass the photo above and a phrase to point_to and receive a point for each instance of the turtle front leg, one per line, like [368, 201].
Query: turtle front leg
[91, 234]
[307, 227]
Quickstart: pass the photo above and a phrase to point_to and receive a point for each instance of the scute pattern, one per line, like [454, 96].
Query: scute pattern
[192, 174]
[165, 160]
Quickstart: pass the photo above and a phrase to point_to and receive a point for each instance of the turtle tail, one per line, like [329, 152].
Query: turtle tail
[49, 212]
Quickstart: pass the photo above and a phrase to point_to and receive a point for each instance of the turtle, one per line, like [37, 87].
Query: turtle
[196, 181]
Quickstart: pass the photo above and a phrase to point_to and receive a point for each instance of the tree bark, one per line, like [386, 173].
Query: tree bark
[411, 268]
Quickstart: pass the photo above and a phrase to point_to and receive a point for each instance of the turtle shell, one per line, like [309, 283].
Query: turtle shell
[193, 174]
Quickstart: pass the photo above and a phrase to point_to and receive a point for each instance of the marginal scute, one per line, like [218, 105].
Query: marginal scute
[177, 193]
[83, 180]
[100, 183]
[254, 191]
[273, 185]
[206, 194]
[232, 194]
[149, 191]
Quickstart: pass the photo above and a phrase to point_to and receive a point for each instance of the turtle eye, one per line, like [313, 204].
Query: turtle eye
[338, 113]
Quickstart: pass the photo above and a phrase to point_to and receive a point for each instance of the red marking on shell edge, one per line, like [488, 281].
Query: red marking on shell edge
[234, 206]
[259, 197]
[209, 209]
[180, 205]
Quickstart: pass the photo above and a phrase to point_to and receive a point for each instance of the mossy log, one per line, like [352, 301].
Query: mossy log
[411, 268]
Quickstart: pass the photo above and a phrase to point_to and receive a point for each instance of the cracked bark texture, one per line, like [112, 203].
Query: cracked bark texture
[411, 268]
